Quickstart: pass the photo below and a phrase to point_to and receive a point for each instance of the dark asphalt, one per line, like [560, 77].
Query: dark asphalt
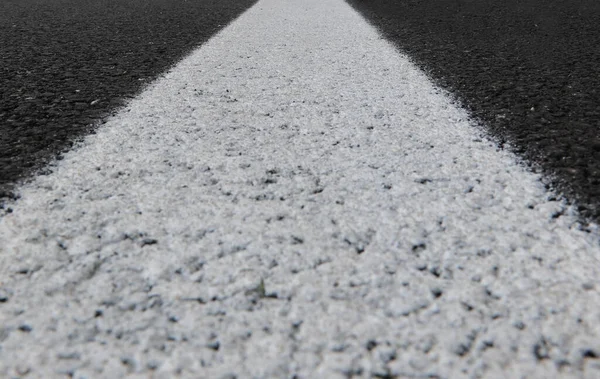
[529, 69]
[66, 64]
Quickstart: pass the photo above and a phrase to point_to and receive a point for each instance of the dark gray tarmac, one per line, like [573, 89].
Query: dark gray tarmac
[528, 69]
[67, 64]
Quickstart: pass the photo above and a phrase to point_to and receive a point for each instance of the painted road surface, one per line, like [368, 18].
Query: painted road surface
[526, 68]
[306, 204]
[67, 64]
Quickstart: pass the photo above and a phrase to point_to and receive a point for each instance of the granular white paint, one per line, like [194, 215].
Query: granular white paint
[295, 199]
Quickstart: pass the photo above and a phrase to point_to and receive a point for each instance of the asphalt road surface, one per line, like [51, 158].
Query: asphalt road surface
[66, 64]
[296, 198]
[526, 68]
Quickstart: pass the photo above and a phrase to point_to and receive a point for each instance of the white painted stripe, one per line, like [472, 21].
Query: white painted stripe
[295, 197]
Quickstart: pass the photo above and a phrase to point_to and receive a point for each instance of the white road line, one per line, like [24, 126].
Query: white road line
[294, 197]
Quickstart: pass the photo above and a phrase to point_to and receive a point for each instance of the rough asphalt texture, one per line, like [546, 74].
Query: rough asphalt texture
[306, 205]
[528, 68]
[64, 64]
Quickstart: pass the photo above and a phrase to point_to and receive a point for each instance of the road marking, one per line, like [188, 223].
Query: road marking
[295, 197]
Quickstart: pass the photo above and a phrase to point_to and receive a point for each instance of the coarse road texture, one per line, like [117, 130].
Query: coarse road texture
[64, 64]
[527, 68]
[306, 204]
